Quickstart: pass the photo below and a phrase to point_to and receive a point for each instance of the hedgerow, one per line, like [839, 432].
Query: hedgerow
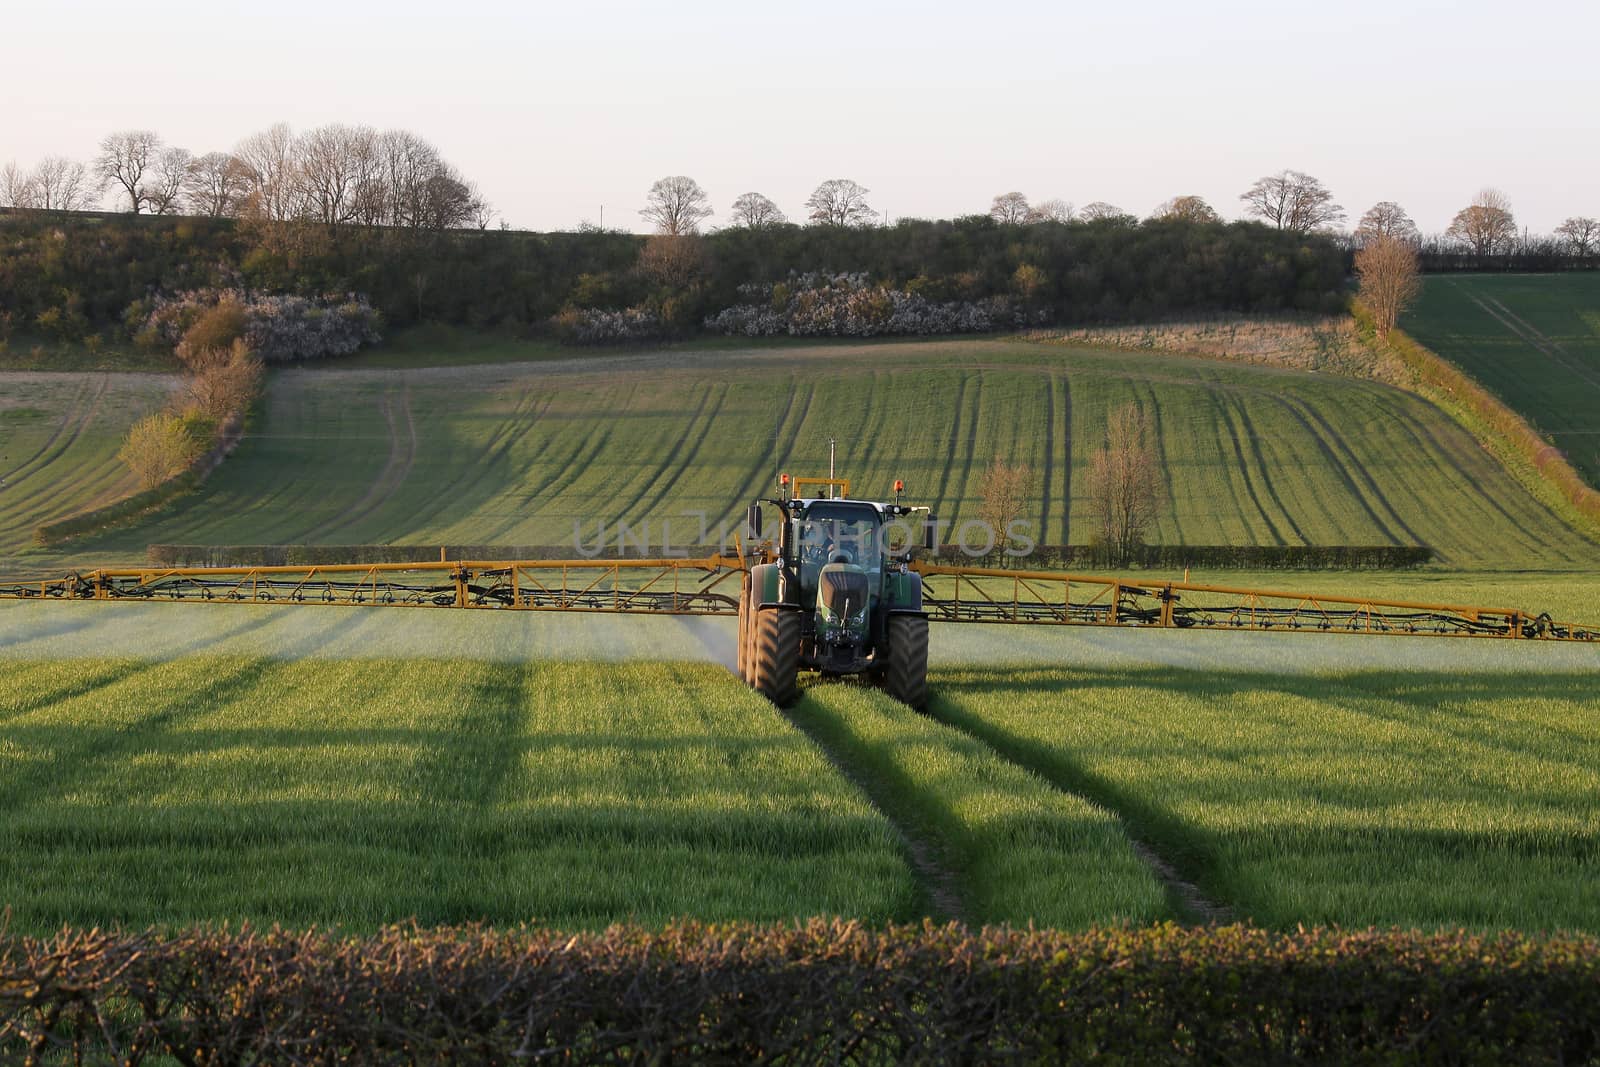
[821, 992]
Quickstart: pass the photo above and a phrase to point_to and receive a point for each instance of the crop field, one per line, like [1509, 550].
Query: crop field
[167, 763]
[532, 454]
[1533, 340]
[59, 435]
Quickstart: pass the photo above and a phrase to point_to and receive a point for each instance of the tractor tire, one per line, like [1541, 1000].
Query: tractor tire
[775, 662]
[906, 676]
[743, 654]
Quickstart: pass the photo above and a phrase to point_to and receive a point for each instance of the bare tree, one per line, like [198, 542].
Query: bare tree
[673, 261]
[334, 162]
[1291, 200]
[1186, 209]
[841, 202]
[1386, 219]
[1005, 491]
[1052, 210]
[60, 184]
[1100, 211]
[164, 190]
[1010, 209]
[215, 185]
[1389, 281]
[753, 211]
[1486, 224]
[1580, 233]
[269, 158]
[1125, 484]
[676, 206]
[16, 187]
[123, 159]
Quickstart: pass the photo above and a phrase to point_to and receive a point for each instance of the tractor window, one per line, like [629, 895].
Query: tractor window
[838, 535]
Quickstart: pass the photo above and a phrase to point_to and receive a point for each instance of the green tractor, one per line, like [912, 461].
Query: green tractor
[837, 596]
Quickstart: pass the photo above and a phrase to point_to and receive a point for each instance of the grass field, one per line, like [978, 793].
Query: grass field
[523, 454]
[171, 762]
[59, 435]
[1533, 340]
[1414, 798]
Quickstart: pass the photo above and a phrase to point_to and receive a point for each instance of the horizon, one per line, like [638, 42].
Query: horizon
[932, 124]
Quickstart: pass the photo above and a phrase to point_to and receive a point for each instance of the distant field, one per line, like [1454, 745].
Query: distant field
[59, 435]
[527, 453]
[1533, 340]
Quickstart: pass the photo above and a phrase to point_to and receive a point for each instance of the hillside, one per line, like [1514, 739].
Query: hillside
[521, 454]
[1531, 339]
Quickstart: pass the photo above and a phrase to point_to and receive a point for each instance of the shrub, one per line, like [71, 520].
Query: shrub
[278, 329]
[160, 447]
[822, 992]
[848, 305]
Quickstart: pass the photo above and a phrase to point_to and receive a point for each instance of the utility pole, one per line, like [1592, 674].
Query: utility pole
[602, 216]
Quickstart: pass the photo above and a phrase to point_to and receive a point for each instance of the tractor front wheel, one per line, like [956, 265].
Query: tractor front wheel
[906, 676]
[775, 658]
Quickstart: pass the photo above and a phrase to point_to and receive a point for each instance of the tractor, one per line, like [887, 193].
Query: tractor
[837, 594]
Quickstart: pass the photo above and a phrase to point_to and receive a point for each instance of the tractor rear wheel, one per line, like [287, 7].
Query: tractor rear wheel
[775, 660]
[906, 676]
[743, 654]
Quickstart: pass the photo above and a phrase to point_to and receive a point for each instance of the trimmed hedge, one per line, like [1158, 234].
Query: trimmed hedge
[822, 992]
[1166, 557]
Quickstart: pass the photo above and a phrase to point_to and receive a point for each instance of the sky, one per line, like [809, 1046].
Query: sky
[560, 112]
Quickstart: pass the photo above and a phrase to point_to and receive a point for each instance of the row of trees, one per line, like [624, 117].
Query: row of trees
[334, 174]
[1289, 200]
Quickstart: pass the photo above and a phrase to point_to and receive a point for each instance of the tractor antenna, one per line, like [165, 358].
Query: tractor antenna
[831, 474]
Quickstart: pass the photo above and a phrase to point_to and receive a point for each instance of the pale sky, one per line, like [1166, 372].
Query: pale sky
[557, 109]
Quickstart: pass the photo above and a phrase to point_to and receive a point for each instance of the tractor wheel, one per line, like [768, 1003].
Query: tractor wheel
[743, 654]
[906, 676]
[775, 660]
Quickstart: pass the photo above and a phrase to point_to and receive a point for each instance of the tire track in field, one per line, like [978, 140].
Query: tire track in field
[1182, 890]
[1066, 463]
[523, 418]
[1160, 439]
[1049, 456]
[42, 461]
[1226, 407]
[936, 878]
[61, 426]
[402, 455]
[749, 486]
[1525, 332]
[1338, 467]
[672, 467]
[1422, 436]
[972, 434]
[956, 410]
[1222, 426]
[1254, 438]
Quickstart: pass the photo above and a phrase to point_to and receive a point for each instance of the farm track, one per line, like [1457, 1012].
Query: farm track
[1524, 331]
[1187, 897]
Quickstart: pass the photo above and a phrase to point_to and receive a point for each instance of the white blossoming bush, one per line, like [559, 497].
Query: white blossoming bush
[598, 326]
[279, 329]
[848, 305]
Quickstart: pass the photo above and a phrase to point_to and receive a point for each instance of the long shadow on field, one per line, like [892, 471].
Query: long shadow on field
[484, 746]
[1318, 809]
[78, 755]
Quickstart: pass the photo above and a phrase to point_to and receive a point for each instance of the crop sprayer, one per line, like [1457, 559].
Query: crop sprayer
[846, 587]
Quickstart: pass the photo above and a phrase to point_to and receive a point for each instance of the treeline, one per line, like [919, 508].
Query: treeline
[72, 277]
